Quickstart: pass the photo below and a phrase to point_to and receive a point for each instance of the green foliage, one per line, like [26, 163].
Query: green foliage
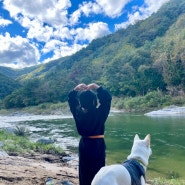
[173, 175]
[178, 100]
[154, 99]
[1, 104]
[47, 149]
[21, 131]
[162, 181]
[21, 144]
[13, 143]
[7, 86]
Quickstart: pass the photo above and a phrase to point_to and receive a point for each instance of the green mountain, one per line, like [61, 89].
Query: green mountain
[147, 56]
[7, 86]
[15, 73]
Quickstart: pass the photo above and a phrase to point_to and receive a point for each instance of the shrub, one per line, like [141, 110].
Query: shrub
[21, 144]
[152, 100]
[21, 131]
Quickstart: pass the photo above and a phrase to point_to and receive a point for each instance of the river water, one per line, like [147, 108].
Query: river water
[167, 137]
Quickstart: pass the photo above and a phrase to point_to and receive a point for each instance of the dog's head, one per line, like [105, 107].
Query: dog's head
[141, 149]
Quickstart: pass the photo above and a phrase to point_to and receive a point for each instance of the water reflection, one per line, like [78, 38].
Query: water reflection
[167, 141]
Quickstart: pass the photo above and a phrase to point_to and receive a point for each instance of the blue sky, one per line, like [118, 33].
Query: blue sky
[34, 32]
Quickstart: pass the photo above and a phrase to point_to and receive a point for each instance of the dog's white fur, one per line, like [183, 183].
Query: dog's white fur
[117, 174]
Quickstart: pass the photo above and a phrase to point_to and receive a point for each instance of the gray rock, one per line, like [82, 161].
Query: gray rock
[3, 153]
[66, 182]
[45, 141]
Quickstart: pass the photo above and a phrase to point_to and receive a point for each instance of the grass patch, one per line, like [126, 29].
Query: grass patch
[12, 143]
[162, 181]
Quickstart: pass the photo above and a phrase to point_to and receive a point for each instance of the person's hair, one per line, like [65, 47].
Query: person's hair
[88, 99]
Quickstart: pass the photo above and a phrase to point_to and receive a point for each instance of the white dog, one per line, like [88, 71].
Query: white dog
[132, 171]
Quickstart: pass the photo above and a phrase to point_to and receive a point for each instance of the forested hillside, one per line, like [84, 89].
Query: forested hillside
[7, 86]
[148, 56]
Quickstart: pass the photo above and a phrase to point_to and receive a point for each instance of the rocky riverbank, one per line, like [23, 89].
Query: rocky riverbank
[168, 111]
[35, 169]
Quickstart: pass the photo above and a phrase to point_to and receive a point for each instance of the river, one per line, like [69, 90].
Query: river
[167, 137]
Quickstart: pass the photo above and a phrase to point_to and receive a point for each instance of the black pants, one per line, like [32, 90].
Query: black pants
[91, 158]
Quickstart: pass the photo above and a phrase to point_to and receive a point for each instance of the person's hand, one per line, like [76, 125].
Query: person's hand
[80, 87]
[92, 86]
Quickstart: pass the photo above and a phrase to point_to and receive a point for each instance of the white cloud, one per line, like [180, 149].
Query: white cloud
[153, 6]
[17, 52]
[69, 50]
[75, 17]
[140, 13]
[62, 33]
[52, 45]
[4, 22]
[38, 31]
[88, 8]
[94, 30]
[48, 22]
[50, 28]
[52, 12]
[60, 49]
[112, 8]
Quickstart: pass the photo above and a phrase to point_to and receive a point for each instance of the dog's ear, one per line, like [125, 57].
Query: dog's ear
[136, 137]
[147, 139]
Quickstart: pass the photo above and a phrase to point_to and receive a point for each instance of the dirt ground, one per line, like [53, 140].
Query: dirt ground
[15, 170]
[34, 170]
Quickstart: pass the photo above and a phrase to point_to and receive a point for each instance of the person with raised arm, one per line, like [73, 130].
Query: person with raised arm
[90, 117]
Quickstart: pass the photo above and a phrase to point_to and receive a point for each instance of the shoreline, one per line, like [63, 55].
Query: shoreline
[65, 112]
[29, 169]
[34, 170]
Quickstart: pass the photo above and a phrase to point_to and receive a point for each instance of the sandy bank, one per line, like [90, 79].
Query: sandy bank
[15, 170]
